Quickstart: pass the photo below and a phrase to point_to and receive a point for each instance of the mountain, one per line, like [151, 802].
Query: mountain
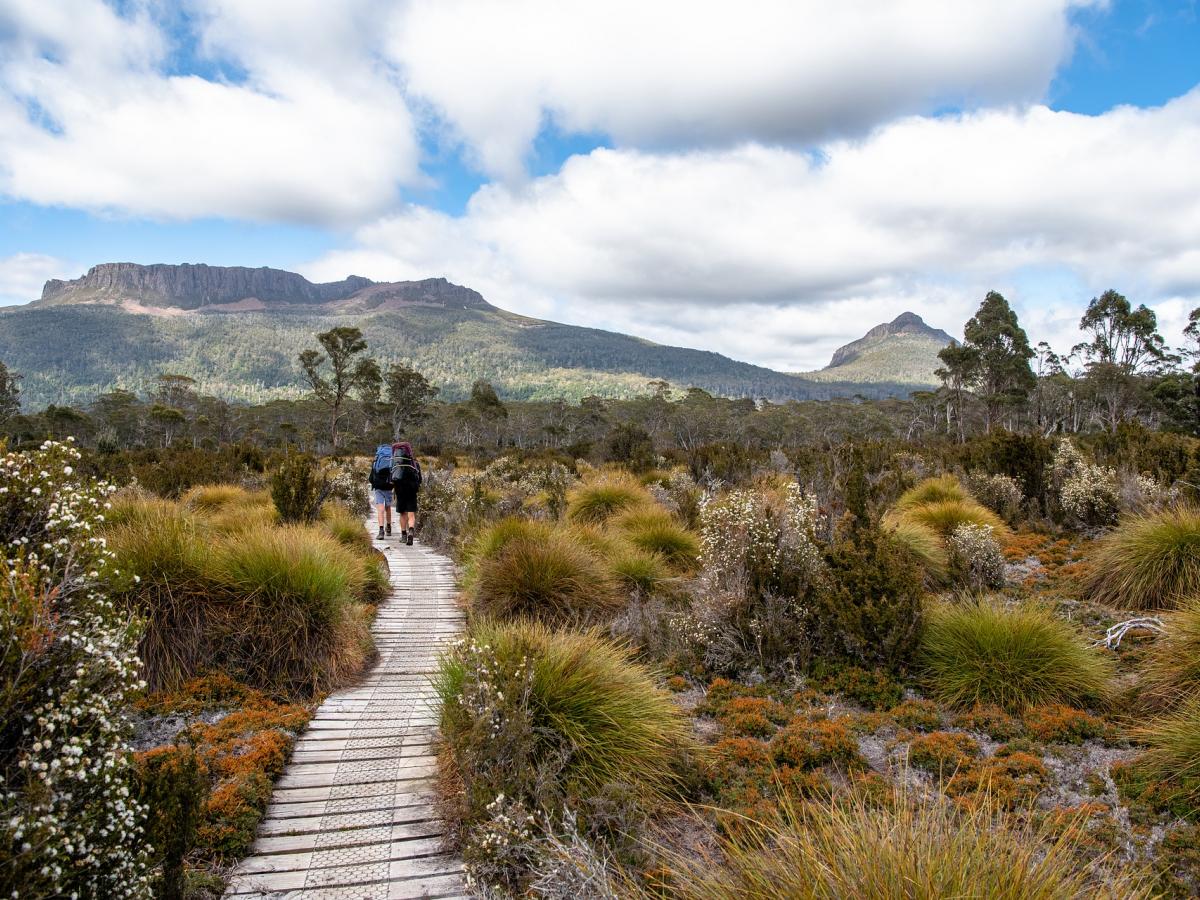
[237, 331]
[902, 351]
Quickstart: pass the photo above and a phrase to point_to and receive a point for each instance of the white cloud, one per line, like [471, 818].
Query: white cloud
[713, 72]
[770, 255]
[23, 274]
[90, 117]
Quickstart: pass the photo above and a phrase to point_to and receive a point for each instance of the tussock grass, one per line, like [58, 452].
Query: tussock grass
[1171, 670]
[943, 516]
[550, 577]
[1148, 562]
[934, 490]
[904, 849]
[491, 540]
[584, 692]
[206, 498]
[656, 531]
[924, 544]
[346, 527]
[279, 607]
[1015, 657]
[1173, 756]
[632, 566]
[598, 500]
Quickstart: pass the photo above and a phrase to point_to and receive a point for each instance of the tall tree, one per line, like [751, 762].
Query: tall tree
[959, 365]
[350, 372]
[10, 393]
[408, 393]
[1002, 377]
[1125, 346]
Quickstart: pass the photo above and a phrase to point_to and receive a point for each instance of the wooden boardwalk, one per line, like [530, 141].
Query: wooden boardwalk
[353, 815]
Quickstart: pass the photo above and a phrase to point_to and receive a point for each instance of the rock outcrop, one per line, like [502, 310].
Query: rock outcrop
[203, 287]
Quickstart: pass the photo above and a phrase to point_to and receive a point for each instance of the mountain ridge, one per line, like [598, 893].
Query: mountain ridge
[237, 331]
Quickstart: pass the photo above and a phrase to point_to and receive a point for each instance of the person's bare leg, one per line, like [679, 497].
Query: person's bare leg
[379, 519]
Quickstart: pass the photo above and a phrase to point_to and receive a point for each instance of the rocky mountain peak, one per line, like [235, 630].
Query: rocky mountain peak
[907, 323]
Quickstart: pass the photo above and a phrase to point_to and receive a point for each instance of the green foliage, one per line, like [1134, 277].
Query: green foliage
[631, 445]
[171, 783]
[298, 488]
[945, 516]
[874, 689]
[1148, 562]
[1015, 657]
[1173, 758]
[901, 848]
[942, 489]
[869, 609]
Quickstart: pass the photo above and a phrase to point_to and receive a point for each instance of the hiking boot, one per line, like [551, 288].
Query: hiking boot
[380, 538]
[389, 529]
[403, 535]
[410, 537]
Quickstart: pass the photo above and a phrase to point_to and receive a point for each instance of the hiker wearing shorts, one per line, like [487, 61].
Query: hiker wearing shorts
[380, 481]
[406, 484]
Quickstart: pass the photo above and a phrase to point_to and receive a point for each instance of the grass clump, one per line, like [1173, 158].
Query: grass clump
[1172, 762]
[544, 575]
[933, 490]
[1014, 657]
[944, 516]
[551, 720]
[1171, 670]
[900, 849]
[596, 501]
[925, 546]
[1148, 562]
[656, 531]
[207, 498]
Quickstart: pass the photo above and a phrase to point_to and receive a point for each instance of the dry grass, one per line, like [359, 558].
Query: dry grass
[1148, 562]
[926, 546]
[943, 516]
[599, 499]
[901, 850]
[656, 531]
[934, 490]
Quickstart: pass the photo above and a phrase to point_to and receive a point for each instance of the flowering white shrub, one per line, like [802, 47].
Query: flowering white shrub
[749, 541]
[975, 556]
[348, 486]
[1001, 494]
[70, 826]
[1141, 493]
[1092, 496]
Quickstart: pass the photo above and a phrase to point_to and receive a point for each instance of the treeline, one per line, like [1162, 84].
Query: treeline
[1123, 376]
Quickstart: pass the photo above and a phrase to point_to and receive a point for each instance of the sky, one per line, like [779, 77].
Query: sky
[766, 178]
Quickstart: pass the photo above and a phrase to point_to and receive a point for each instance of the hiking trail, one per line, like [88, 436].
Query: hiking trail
[353, 814]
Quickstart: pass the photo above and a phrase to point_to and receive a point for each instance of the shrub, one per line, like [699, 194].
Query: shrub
[548, 720]
[1015, 657]
[975, 557]
[990, 720]
[1092, 497]
[172, 784]
[921, 715]
[298, 489]
[1171, 669]
[551, 577]
[1055, 723]
[942, 752]
[874, 689]
[808, 743]
[923, 848]
[68, 822]
[1148, 562]
[1002, 494]
[868, 608]
[925, 546]
[597, 500]
[657, 532]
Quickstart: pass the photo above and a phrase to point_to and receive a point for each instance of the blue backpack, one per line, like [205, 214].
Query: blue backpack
[381, 469]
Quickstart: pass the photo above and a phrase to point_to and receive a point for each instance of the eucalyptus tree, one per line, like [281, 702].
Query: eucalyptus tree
[350, 372]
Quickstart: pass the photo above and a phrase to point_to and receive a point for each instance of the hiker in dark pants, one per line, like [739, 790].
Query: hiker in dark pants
[380, 481]
[406, 483]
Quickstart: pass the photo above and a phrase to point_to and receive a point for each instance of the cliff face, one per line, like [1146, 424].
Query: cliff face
[190, 287]
[906, 323]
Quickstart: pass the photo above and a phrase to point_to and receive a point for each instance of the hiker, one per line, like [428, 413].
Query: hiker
[406, 482]
[380, 480]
